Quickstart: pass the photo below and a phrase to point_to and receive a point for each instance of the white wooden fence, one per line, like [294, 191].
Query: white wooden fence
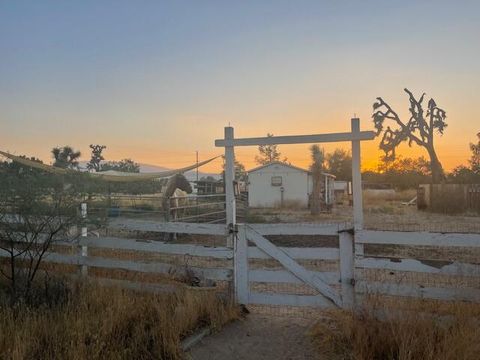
[344, 283]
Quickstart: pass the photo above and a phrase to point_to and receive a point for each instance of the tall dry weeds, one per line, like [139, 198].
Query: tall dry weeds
[400, 335]
[109, 323]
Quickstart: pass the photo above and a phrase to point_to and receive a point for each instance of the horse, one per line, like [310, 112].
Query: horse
[177, 186]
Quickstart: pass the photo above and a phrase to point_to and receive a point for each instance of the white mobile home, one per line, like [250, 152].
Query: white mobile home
[278, 184]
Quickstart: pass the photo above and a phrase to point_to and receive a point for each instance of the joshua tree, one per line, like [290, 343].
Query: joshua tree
[420, 129]
[318, 160]
[97, 157]
[65, 157]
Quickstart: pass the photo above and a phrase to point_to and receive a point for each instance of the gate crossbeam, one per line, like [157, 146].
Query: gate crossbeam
[297, 139]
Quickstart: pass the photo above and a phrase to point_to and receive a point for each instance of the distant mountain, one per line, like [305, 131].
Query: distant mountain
[148, 168]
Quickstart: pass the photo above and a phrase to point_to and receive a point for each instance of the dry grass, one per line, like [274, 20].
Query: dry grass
[109, 323]
[407, 335]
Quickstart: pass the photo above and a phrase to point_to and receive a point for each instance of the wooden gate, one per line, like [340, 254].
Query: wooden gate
[331, 288]
[239, 236]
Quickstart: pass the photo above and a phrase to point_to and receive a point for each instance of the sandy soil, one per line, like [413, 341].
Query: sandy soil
[258, 337]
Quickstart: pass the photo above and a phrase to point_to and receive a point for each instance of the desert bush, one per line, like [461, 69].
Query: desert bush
[448, 199]
[392, 335]
[109, 323]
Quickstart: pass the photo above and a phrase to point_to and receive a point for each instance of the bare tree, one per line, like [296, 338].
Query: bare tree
[36, 211]
[420, 129]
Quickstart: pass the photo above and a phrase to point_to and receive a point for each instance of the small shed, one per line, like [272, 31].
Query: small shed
[280, 184]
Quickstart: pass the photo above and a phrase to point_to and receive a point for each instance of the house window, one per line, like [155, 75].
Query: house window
[276, 181]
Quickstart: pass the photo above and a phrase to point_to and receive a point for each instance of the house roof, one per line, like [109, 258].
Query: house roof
[286, 165]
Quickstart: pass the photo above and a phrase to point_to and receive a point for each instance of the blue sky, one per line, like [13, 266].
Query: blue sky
[157, 80]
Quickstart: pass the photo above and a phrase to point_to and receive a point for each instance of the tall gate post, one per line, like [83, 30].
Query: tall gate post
[357, 198]
[229, 191]
[356, 178]
[240, 260]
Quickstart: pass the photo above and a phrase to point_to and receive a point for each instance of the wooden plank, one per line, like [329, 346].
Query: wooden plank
[426, 266]
[241, 266]
[346, 269]
[417, 238]
[299, 229]
[313, 280]
[154, 267]
[168, 227]
[296, 139]
[298, 253]
[284, 276]
[157, 247]
[289, 300]
[407, 290]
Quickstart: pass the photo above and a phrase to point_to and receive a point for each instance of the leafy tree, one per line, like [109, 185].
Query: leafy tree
[339, 163]
[240, 172]
[125, 165]
[317, 167]
[97, 157]
[402, 173]
[420, 129]
[464, 175]
[65, 157]
[268, 154]
[475, 159]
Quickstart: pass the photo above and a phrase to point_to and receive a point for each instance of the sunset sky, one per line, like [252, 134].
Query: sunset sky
[157, 80]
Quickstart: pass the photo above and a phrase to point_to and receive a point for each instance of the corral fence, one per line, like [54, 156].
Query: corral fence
[298, 265]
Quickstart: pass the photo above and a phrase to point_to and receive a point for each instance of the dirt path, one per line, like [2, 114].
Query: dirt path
[258, 337]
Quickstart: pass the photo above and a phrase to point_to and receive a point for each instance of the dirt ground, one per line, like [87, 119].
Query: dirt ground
[258, 337]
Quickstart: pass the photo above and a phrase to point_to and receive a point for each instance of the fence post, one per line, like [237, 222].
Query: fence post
[346, 268]
[240, 260]
[84, 233]
[357, 192]
[357, 178]
[229, 191]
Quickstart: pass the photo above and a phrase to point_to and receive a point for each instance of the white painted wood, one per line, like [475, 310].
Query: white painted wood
[417, 238]
[296, 139]
[347, 269]
[155, 226]
[156, 246]
[229, 179]
[412, 265]
[313, 280]
[300, 228]
[241, 266]
[284, 276]
[154, 267]
[289, 300]
[84, 248]
[298, 253]
[458, 294]
[357, 178]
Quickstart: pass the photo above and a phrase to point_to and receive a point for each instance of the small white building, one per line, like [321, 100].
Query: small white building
[280, 184]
